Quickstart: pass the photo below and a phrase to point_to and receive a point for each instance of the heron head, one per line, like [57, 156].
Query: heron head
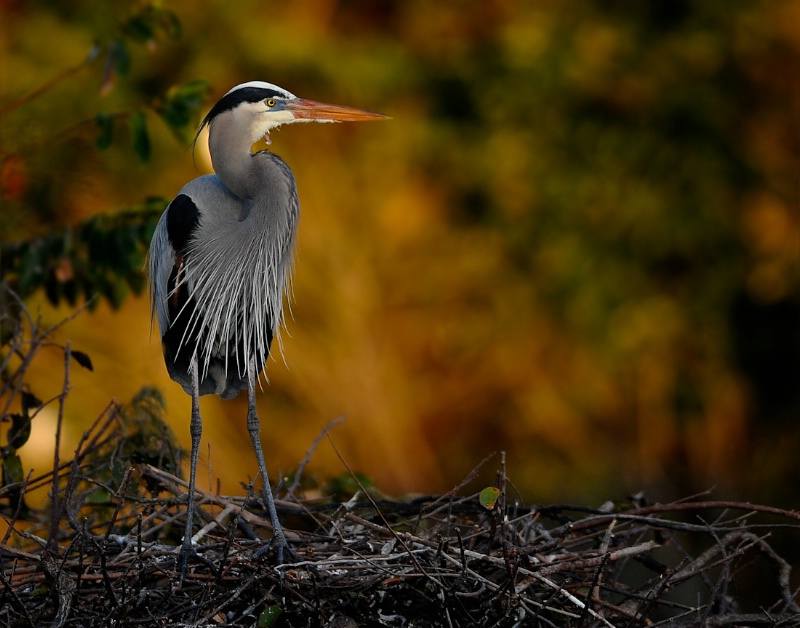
[257, 107]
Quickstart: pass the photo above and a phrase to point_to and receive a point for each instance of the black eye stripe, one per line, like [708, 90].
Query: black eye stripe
[245, 94]
[235, 98]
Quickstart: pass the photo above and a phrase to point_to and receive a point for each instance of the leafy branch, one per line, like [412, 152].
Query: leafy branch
[105, 254]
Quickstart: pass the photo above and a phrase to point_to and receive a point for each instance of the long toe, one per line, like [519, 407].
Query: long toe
[186, 553]
[283, 551]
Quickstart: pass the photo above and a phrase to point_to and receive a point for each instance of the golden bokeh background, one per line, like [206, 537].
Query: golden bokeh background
[577, 240]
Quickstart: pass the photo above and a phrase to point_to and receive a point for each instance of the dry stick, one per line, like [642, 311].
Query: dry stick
[727, 505]
[586, 606]
[595, 588]
[694, 568]
[14, 384]
[172, 483]
[713, 588]
[81, 556]
[16, 349]
[500, 510]
[52, 542]
[495, 587]
[228, 598]
[650, 599]
[13, 344]
[112, 410]
[306, 459]
[37, 340]
[429, 508]
[104, 572]
[585, 563]
[13, 521]
[598, 574]
[16, 601]
[377, 510]
[633, 516]
[229, 542]
[540, 572]
[470, 476]
[123, 488]
[64, 591]
[46, 477]
[45, 87]
[152, 530]
[69, 491]
[703, 562]
[80, 454]
[139, 537]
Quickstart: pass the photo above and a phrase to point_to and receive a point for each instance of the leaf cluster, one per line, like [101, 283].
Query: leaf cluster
[178, 109]
[104, 255]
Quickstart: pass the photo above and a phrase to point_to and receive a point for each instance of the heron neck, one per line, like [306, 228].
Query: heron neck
[231, 155]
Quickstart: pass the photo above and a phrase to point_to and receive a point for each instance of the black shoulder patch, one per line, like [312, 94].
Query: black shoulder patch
[183, 218]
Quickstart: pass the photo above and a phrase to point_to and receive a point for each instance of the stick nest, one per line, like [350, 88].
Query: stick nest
[106, 555]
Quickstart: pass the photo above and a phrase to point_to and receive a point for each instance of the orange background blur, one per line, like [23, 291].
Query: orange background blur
[577, 241]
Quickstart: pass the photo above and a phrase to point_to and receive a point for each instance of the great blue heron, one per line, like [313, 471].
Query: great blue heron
[220, 260]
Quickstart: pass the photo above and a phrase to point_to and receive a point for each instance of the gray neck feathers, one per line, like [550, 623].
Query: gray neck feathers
[247, 233]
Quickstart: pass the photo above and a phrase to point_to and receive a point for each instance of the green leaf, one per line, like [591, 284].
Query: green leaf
[181, 103]
[139, 28]
[7, 334]
[12, 468]
[136, 282]
[116, 297]
[149, 400]
[118, 57]
[30, 270]
[489, 496]
[20, 431]
[83, 359]
[69, 291]
[155, 204]
[41, 591]
[141, 139]
[52, 289]
[29, 402]
[100, 497]
[269, 616]
[105, 124]
[343, 487]
[144, 26]
[171, 24]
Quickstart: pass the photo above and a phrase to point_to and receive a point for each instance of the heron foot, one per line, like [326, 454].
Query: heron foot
[282, 550]
[187, 552]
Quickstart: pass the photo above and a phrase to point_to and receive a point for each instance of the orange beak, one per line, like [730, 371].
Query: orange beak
[323, 112]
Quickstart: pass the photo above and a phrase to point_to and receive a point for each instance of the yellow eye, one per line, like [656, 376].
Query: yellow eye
[270, 103]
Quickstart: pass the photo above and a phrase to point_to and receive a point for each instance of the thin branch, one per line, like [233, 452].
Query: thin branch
[47, 86]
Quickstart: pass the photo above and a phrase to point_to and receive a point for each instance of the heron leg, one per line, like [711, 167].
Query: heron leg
[195, 431]
[254, 427]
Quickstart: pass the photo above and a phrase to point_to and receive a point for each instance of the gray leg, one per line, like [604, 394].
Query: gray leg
[254, 427]
[195, 431]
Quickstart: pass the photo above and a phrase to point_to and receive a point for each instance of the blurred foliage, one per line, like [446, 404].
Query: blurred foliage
[578, 240]
[104, 255]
